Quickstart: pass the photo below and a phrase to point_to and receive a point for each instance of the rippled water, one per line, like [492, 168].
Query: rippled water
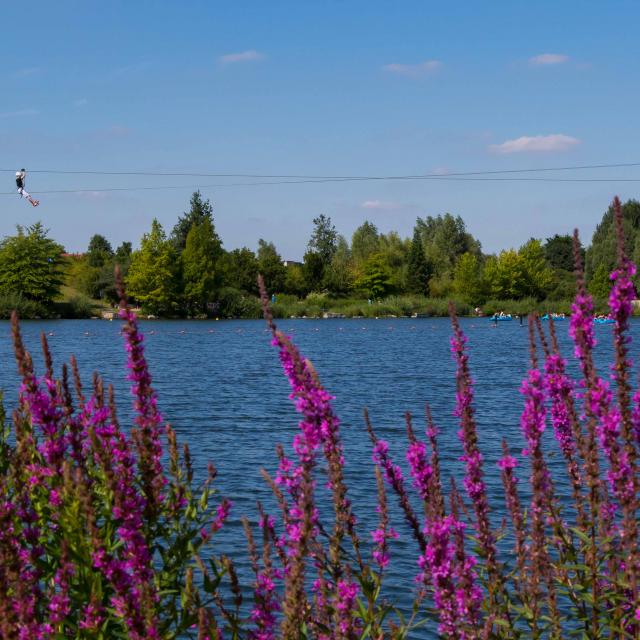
[221, 386]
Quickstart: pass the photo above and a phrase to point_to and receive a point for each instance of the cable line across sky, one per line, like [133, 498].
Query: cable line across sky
[284, 179]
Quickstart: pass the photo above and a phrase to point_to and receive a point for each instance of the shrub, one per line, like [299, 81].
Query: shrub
[26, 308]
[237, 304]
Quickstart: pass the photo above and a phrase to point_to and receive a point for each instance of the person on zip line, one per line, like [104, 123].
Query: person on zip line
[20, 182]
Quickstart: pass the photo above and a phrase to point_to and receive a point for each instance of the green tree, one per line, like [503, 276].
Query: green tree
[240, 270]
[418, 269]
[154, 273]
[558, 252]
[270, 266]
[603, 244]
[295, 282]
[375, 280]
[123, 254]
[467, 279]
[365, 241]
[99, 251]
[445, 239]
[504, 276]
[313, 268]
[338, 278]
[600, 283]
[31, 264]
[324, 239]
[200, 257]
[199, 211]
[537, 275]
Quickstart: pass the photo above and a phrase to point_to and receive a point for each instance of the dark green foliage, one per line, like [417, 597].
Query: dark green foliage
[558, 252]
[153, 278]
[603, 245]
[295, 282]
[25, 308]
[77, 306]
[338, 277]
[445, 239]
[418, 269]
[270, 266]
[324, 239]
[199, 211]
[200, 273]
[31, 265]
[99, 251]
[313, 271]
[238, 304]
[375, 281]
[365, 241]
[468, 281]
[599, 283]
[240, 270]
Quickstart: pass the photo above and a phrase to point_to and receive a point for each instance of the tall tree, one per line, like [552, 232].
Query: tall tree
[338, 278]
[467, 279]
[31, 264]
[558, 251]
[154, 272]
[240, 270]
[365, 241]
[445, 239]
[271, 267]
[418, 270]
[324, 239]
[200, 274]
[603, 245]
[99, 251]
[199, 211]
[313, 270]
[375, 280]
[537, 275]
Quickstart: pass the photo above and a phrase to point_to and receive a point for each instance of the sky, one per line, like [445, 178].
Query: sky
[332, 88]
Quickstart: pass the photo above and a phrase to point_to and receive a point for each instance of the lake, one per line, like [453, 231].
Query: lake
[221, 386]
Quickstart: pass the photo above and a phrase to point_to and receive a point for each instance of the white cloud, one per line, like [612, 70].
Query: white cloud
[414, 70]
[17, 114]
[380, 205]
[546, 59]
[81, 102]
[244, 56]
[525, 144]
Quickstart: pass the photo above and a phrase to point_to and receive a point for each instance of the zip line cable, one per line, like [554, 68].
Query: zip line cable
[322, 177]
[290, 182]
[469, 176]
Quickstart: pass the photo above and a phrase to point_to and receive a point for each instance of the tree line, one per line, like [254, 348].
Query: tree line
[189, 272]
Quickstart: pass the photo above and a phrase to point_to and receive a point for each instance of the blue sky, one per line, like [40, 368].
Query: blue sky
[326, 88]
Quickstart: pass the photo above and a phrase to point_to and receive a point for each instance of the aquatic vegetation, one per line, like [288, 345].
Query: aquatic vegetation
[104, 533]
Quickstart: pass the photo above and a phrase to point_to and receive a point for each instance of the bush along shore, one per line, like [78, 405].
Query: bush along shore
[101, 538]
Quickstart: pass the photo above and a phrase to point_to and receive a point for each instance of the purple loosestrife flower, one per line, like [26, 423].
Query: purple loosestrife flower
[148, 419]
[473, 479]
[129, 571]
[345, 600]
[420, 470]
[457, 606]
[560, 389]
[533, 418]
[581, 329]
[393, 475]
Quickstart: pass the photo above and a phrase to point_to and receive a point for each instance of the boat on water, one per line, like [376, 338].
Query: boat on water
[604, 321]
[501, 318]
[554, 316]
